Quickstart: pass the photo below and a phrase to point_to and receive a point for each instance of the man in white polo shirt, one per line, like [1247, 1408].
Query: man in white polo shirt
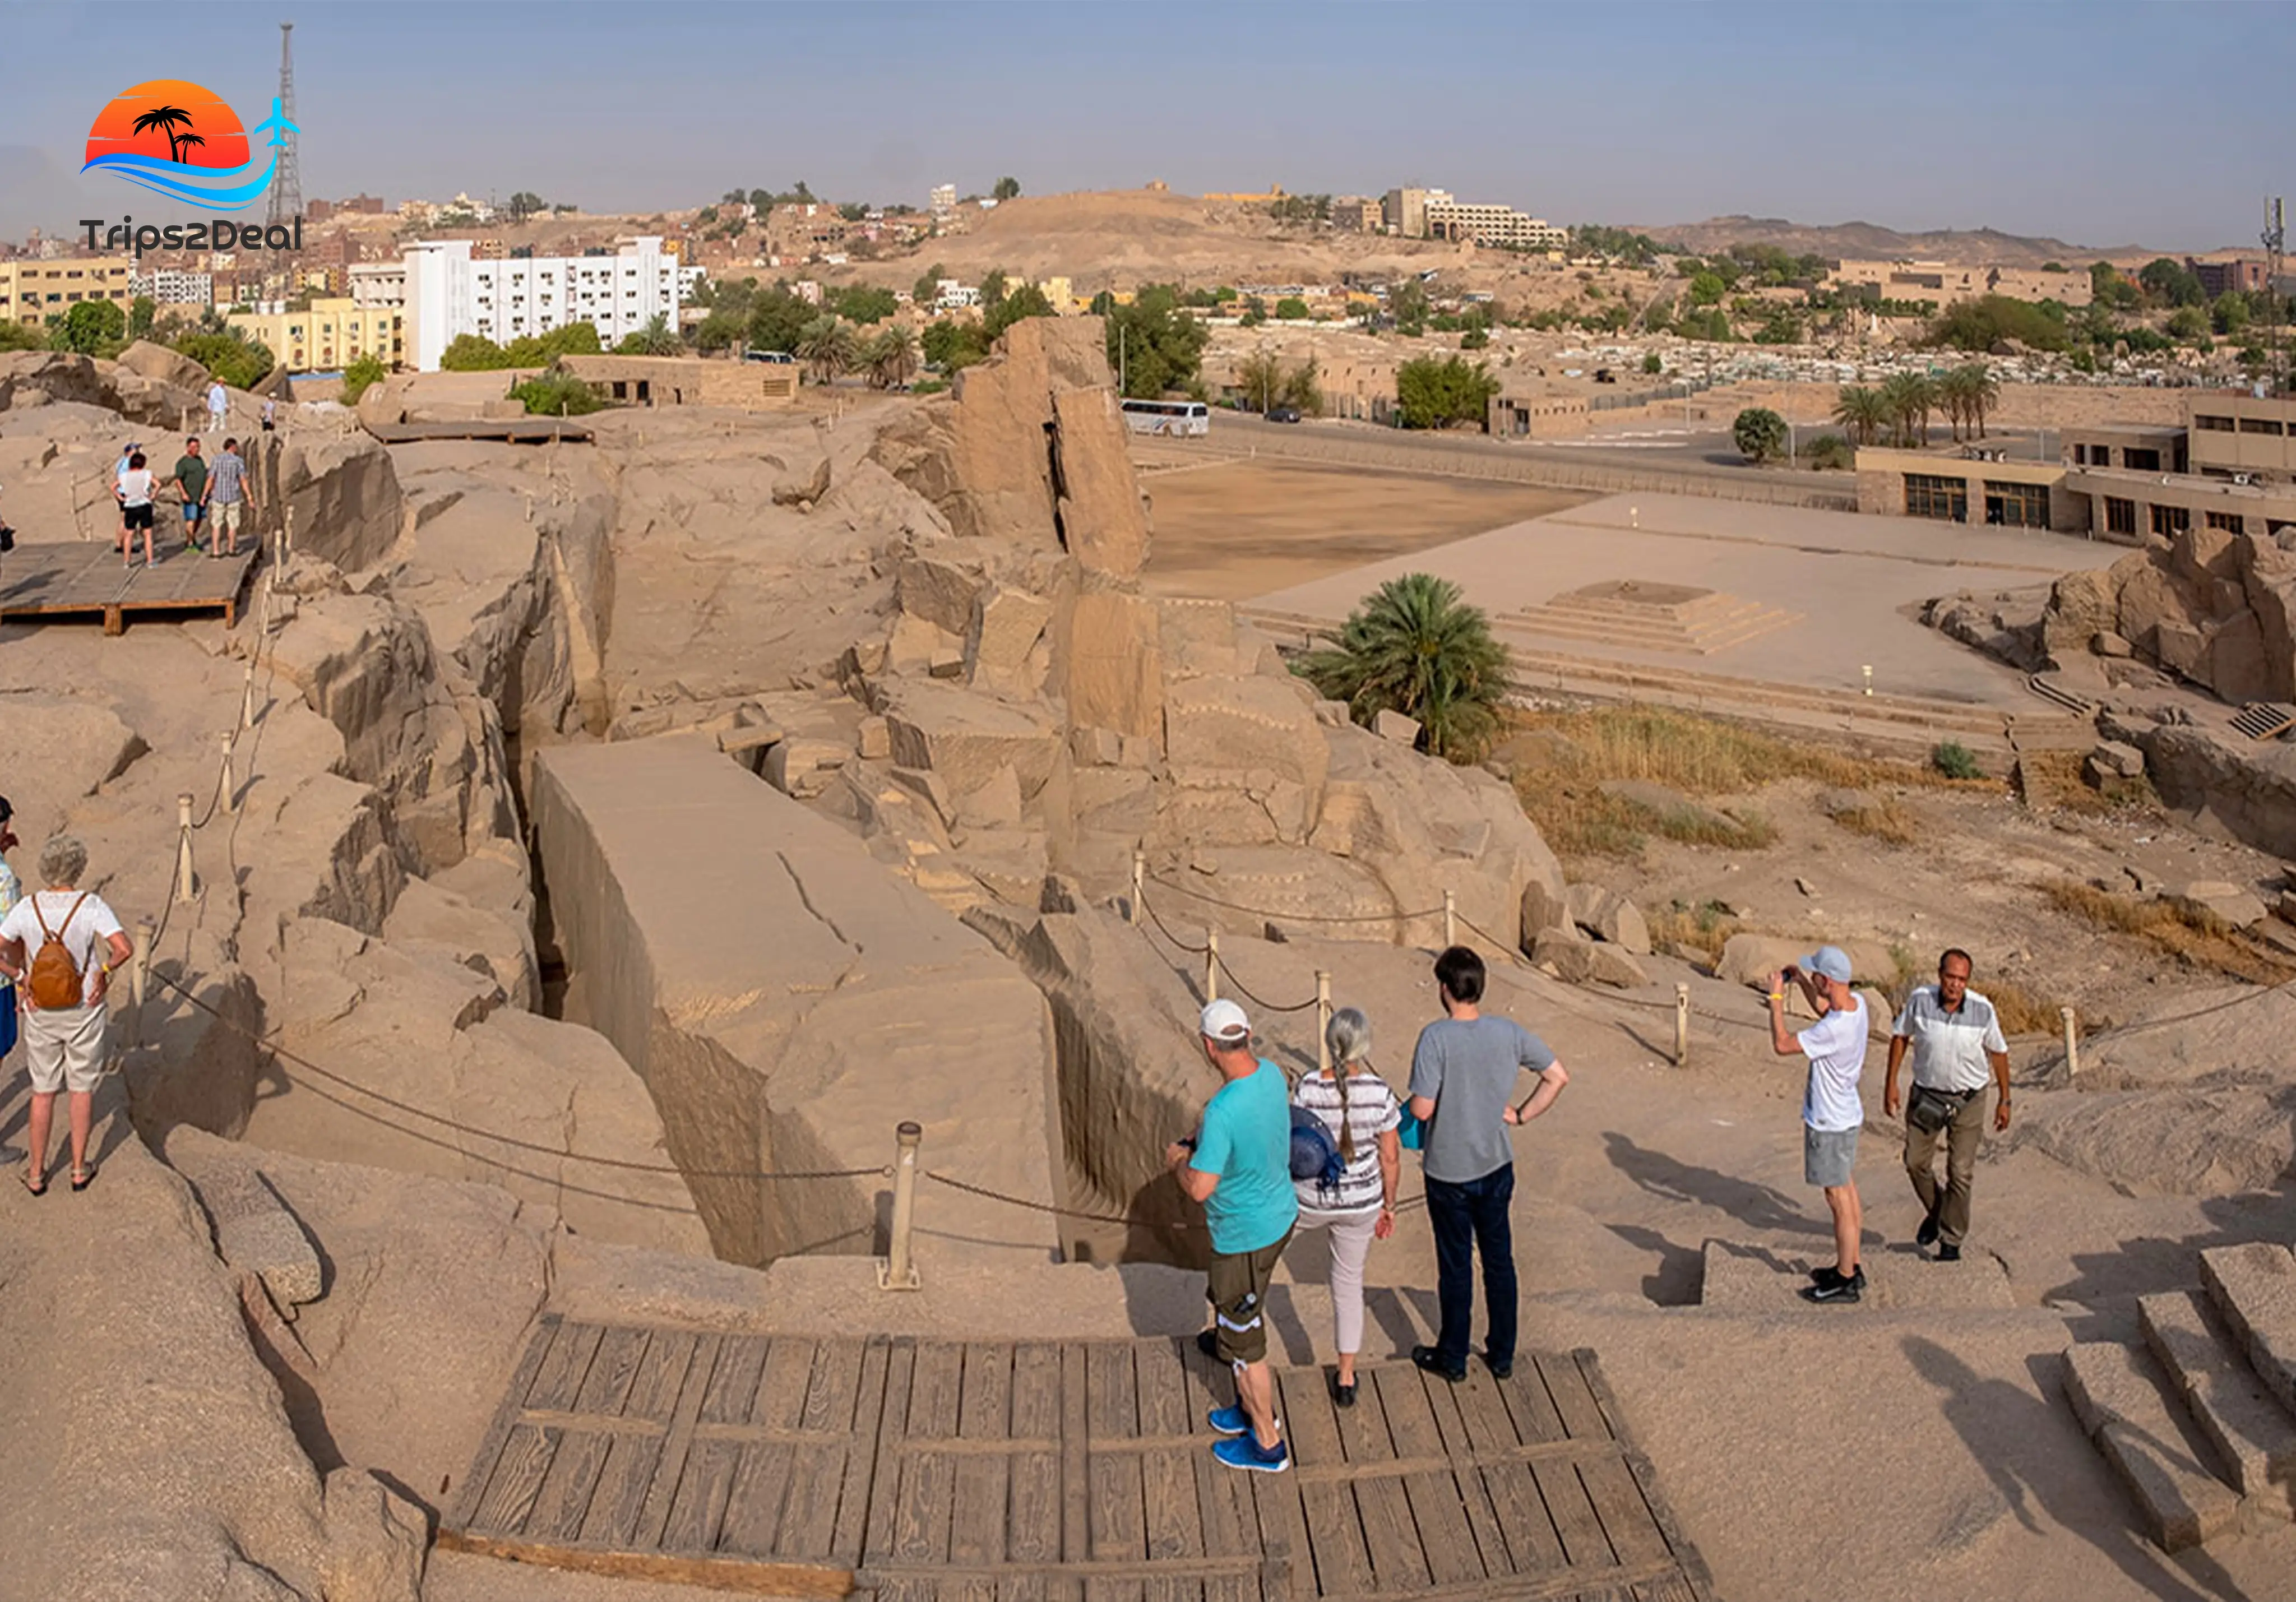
[1957, 1048]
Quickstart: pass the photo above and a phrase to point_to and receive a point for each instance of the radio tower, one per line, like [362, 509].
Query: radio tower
[287, 185]
[2275, 241]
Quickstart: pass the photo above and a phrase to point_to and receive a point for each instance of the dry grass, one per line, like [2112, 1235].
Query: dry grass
[1562, 759]
[1885, 820]
[2194, 936]
[1698, 931]
[2022, 1011]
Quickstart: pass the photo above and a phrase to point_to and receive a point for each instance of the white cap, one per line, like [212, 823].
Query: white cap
[1224, 1020]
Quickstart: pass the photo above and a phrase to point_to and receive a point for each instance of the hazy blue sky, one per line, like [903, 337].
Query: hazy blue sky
[2099, 122]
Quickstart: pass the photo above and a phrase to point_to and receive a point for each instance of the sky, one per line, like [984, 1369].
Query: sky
[2096, 121]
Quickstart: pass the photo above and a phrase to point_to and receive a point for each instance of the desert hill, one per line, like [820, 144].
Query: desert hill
[1871, 241]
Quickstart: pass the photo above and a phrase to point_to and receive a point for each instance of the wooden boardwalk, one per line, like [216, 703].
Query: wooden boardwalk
[86, 579]
[511, 430]
[933, 1470]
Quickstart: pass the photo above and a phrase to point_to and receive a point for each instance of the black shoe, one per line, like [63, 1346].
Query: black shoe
[1837, 1289]
[1832, 1275]
[1504, 1371]
[1207, 1343]
[1430, 1359]
[1343, 1395]
[1948, 1253]
[1926, 1235]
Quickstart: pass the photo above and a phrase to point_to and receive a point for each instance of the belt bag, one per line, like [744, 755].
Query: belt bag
[1930, 1110]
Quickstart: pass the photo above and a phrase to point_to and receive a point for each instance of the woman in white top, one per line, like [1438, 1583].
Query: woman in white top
[63, 1034]
[134, 490]
[1361, 1112]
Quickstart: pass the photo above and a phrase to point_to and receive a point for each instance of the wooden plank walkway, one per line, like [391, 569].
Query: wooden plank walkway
[86, 577]
[944, 1471]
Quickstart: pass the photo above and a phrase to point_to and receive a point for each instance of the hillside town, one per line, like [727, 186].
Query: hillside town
[972, 887]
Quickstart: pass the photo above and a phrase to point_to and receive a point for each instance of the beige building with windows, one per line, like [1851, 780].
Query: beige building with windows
[33, 292]
[1971, 484]
[1945, 284]
[660, 381]
[332, 335]
[1492, 226]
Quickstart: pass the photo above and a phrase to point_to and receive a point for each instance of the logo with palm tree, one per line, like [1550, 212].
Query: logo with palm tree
[184, 140]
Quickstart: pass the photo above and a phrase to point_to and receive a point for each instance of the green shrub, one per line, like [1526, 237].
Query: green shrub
[1955, 760]
[1653, 364]
[1829, 453]
[557, 395]
[361, 376]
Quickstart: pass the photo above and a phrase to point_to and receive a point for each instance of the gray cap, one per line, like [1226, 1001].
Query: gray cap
[1832, 961]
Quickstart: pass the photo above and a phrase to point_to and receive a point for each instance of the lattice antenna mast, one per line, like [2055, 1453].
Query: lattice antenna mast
[287, 184]
[2275, 241]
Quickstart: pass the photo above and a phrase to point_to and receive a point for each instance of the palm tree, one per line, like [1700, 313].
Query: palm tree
[828, 344]
[1415, 647]
[1953, 395]
[1984, 391]
[1865, 413]
[1911, 398]
[167, 119]
[655, 339]
[892, 357]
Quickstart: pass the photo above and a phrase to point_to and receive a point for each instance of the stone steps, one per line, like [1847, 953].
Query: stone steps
[2254, 1288]
[2253, 1436]
[1705, 634]
[2125, 1403]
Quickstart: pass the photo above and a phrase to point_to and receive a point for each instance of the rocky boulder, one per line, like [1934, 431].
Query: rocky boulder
[2212, 606]
[1255, 738]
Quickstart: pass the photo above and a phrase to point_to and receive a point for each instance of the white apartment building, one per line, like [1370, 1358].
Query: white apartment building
[448, 294]
[1447, 218]
[944, 199]
[377, 285]
[170, 286]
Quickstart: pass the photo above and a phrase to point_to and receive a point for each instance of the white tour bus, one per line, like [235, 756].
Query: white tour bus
[1192, 417]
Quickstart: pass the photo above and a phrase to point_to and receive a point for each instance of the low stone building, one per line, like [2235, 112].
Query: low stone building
[1969, 484]
[660, 381]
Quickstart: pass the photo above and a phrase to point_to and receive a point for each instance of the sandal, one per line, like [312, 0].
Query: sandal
[82, 1178]
[38, 1184]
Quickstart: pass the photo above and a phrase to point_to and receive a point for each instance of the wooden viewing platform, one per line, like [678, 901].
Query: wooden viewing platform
[84, 577]
[515, 430]
[935, 1470]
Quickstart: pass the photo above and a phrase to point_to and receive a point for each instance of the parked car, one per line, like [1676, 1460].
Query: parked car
[1284, 414]
[779, 358]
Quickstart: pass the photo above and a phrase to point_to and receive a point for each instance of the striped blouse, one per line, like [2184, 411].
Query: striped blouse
[1371, 1111]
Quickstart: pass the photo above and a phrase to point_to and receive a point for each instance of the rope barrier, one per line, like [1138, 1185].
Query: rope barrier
[1244, 990]
[619, 1164]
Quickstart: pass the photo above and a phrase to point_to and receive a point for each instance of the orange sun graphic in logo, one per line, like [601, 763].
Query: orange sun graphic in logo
[170, 121]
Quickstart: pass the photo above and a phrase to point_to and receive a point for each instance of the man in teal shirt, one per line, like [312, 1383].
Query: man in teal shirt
[1239, 1166]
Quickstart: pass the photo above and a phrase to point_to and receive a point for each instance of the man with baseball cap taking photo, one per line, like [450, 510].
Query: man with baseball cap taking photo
[1239, 1166]
[1831, 1111]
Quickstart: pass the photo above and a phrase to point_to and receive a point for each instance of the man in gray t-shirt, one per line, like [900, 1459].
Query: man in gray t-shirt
[1463, 1081]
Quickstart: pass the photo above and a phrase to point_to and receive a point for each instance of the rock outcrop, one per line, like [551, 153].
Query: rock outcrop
[2214, 607]
[787, 1003]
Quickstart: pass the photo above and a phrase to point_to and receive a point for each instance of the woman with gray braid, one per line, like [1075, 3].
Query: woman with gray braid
[1364, 1118]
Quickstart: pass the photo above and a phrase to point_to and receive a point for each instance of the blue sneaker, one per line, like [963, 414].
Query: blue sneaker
[1229, 1421]
[1244, 1452]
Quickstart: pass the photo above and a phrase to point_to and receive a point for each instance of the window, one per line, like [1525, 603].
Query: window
[2119, 515]
[1931, 494]
[2212, 424]
[2170, 520]
[2229, 522]
[2017, 506]
[2141, 461]
[2260, 425]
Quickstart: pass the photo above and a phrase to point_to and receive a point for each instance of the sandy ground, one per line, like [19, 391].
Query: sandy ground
[1236, 528]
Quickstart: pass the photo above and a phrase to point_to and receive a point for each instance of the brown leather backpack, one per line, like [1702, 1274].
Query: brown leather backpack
[53, 980]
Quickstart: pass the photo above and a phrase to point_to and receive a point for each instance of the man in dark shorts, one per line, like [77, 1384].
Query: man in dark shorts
[1463, 1074]
[1239, 1166]
[190, 476]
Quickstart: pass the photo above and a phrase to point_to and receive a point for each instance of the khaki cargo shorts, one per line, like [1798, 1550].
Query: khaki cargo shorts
[1238, 1289]
[64, 1050]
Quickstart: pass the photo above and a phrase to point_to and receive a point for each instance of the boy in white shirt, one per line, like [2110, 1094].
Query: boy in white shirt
[1831, 1111]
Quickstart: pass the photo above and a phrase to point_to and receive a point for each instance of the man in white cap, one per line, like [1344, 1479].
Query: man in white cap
[1239, 1166]
[1831, 1111]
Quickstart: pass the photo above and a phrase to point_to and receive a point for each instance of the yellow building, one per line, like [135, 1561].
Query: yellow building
[32, 292]
[332, 335]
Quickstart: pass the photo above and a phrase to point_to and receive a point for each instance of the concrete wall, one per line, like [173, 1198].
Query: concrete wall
[788, 1002]
[1882, 484]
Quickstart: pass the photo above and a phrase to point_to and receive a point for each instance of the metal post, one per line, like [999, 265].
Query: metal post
[1211, 966]
[1139, 884]
[1450, 919]
[227, 790]
[139, 975]
[1323, 1019]
[898, 1271]
[1681, 1025]
[185, 886]
[2072, 1043]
